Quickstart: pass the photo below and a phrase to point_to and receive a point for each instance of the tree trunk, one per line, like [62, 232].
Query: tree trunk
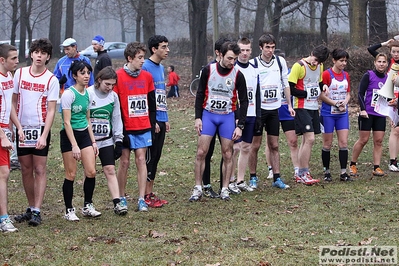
[378, 25]
[148, 14]
[259, 23]
[275, 22]
[198, 11]
[55, 26]
[312, 13]
[70, 6]
[323, 20]
[237, 19]
[15, 21]
[22, 30]
[358, 22]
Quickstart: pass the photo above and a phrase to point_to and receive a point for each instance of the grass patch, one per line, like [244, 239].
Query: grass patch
[268, 225]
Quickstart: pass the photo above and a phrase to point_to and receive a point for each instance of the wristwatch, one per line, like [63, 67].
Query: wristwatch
[240, 126]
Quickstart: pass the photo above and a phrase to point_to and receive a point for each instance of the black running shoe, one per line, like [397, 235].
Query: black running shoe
[327, 177]
[344, 177]
[208, 192]
[35, 219]
[24, 217]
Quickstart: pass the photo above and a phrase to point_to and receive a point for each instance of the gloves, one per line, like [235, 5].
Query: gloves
[118, 150]
[258, 125]
[63, 80]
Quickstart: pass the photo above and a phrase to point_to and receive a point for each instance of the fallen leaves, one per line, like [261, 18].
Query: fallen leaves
[155, 234]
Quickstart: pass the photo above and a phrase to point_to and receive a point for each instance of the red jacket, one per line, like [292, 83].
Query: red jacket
[173, 79]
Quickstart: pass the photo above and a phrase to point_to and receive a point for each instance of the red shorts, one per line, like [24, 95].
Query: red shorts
[4, 157]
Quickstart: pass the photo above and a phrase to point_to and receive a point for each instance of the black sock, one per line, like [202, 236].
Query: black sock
[67, 190]
[353, 163]
[116, 201]
[275, 176]
[325, 157]
[392, 161]
[376, 166]
[240, 182]
[343, 158]
[88, 189]
[252, 175]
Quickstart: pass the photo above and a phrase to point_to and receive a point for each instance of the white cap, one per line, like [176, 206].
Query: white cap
[69, 42]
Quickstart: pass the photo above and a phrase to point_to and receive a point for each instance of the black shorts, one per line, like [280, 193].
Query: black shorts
[375, 123]
[271, 122]
[82, 139]
[287, 125]
[106, 155]
[33, 151]
[307, 121]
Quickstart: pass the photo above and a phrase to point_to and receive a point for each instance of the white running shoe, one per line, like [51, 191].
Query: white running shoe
[90, 211]
[244, 187]
[71, 215]
[393, 168]
[7, 226]
[197, 194]
[233, 188]
[270, 176]
[224, 194]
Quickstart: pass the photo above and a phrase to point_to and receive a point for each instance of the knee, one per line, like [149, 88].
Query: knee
[109, 170]
[378, 142]
[124, 163]
[90, 172]
[201, 154]
[140, 160]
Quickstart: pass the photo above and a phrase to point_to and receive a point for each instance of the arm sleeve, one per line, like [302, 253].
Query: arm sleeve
[373, 49]
[364, 84]
[152, 107]
[293, 79]
[117, 126]
[199, 99]
[258, 99]
[241, 86]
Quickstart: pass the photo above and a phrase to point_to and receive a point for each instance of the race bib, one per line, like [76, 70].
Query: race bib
[220, 105]
[313, 91]
[8, 133]
[137, 105]
[251, 96]
[100, 127]
[160, 96]
[337, 95]
[32, 135]
[374, 98]
[269, 94]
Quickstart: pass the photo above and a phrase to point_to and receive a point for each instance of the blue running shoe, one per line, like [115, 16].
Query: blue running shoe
[280, 184]
[142, 206]
[123, 200]
[253, 182]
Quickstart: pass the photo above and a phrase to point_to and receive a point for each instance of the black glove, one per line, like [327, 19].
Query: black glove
[118, 150]
[258, 125]
[63, 80]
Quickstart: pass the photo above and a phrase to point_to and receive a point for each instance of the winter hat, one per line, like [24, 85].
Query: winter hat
[69, 42]
[99, 39]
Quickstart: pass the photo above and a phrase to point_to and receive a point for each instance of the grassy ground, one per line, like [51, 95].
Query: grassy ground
[265, 226]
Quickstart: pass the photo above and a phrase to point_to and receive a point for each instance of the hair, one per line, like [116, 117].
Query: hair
[172, 67]
[244, 40]
[266, 38]
[220, 42]
[5, 50]
[279, 52]
[78, 65]
[104, 74]
[339, 53]
[379, 55]
[43, 45]
[227, 46]
[134, 48]
[321, 53]
[154, 41]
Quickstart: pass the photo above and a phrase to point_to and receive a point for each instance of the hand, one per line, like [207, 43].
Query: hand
[118, 150]
[63, 80]
[364, 114]
[167, 127]
[95, 148]
[157, 128]
[198, 126]
[237, 133]
[6, 144]
[76, 152]
[41, 143]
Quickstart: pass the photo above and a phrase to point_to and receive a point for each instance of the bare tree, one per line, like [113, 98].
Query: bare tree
[147, 12]
[24, 18]
[259, 24]
[237, 18]
[69, 20]
[378, 25]
[55, 25]
[198, 14]
[15, 20]
[358, 22]
[323, 20]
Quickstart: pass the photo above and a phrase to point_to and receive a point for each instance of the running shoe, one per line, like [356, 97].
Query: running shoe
[394, 167]
[151, 202]
[7, 226]
[253, 182]
[353, 170]
[163, 202]
[120, 208]
[71, 215]
[24, 217]
[15, 165]
[280, 184]
[378, 172]
[244, 187]
[197, 194]
[123, 200]
[233, 188]
[90, 211]
[344, 177]
[35, 219]
[224, 194]
[327, 177]
[208, 192]
[142, 206]
[307, 179]
[270, 176]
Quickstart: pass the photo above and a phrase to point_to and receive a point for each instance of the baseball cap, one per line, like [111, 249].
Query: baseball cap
[99, 39]
[69, 42]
